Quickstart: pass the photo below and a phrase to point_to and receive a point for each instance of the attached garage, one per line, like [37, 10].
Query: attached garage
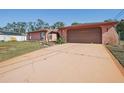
[101, 32]
[92, 35]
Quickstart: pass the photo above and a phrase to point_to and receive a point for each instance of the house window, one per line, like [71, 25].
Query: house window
[29, 36]
[42, 35]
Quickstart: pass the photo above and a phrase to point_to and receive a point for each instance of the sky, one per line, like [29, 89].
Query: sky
[53, 15]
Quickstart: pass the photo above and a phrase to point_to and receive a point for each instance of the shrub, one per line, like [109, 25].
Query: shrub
[60, 40]
[2, 41]
[122, 36]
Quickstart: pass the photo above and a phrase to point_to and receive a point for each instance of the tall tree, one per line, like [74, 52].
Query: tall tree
[120, 27]
[75, 23]
[14, 27]
[111, 20]
[46, 26]
[1, 29]
[9, 27]
[22, 26]
[40, 24]
[31, 26]
[58, 25]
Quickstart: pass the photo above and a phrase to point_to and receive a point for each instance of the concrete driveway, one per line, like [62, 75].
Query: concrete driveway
[62, 63]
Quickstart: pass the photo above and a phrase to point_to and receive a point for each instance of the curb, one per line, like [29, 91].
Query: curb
[116, 62]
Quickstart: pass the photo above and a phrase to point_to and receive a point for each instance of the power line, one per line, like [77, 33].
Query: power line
[119, 14]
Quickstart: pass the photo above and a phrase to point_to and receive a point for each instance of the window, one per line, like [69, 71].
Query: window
[30, 36]
[42, 35]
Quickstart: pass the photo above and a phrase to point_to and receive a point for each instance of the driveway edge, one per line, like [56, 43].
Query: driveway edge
[116, 62]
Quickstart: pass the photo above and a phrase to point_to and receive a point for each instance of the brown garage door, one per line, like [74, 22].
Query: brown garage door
[93, 35]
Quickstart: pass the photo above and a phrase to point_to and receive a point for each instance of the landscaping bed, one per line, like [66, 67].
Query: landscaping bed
[118, 52]
[12, 49]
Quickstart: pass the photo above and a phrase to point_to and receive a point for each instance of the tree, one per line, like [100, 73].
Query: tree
[22, 26]
[58, 25]
[14, 27]
[40, 24]
[120, 27]
[46, 26]
[9, 27]
[75, 23]
[31, 26]
[1, 29]
[111, 20]
[108, 20]
[17, 27]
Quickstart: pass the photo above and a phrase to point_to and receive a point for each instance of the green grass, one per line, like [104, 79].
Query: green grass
[118, 51]
[12, 49]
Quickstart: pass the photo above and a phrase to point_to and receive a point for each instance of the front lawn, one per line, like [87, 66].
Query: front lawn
[122, 43]
[12, 49]
[118, 51]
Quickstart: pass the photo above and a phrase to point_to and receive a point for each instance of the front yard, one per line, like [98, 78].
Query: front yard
[12, 49]
[118, 52]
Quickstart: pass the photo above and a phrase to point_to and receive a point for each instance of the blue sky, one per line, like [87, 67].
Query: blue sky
[54, 15]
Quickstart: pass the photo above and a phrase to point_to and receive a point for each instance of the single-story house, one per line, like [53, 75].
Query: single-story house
[101, 32]
[9, 36]
[43, 34]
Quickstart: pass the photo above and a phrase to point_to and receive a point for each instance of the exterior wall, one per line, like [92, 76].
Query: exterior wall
[104, 30]
[9, 37]
[36, 36]
[52, 37]
[63, 33]
[33, 36]
[47, 37]
[110, 36]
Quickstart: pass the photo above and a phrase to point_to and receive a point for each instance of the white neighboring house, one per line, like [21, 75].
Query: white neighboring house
[8, 36]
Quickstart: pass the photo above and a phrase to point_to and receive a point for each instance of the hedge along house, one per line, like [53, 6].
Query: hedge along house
[101, 33]
[43, 35]
[11, 36]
